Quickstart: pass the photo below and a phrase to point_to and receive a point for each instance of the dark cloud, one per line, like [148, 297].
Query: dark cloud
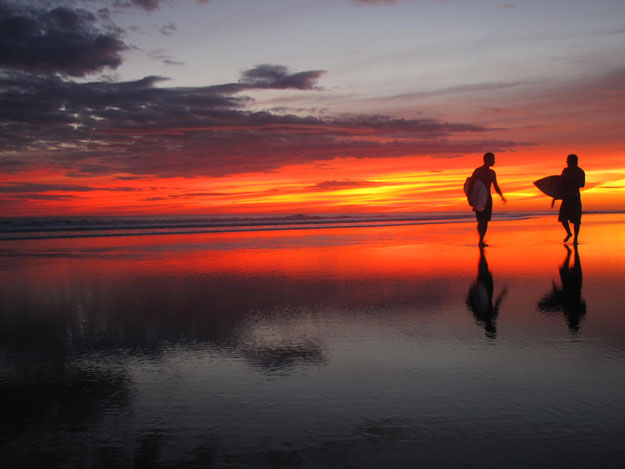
[193, 195]
[133, 129]
[62, 40]
[168, 29]
[278, 77]
[148, 5]
[104, 14]
[26, 187]
[472, 88]
[163, 57]
[348, 184]
[387, 125]
[137, 128]
[35, 196]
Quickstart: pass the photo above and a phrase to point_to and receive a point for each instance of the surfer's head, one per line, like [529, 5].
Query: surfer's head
[571, 160]
[489, 159]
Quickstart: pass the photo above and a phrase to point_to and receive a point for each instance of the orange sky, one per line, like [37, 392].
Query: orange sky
[335, 186]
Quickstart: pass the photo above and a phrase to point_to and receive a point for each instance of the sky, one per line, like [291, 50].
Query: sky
[226, 107]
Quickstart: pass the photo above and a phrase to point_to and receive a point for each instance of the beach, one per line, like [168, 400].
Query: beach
[374, 344]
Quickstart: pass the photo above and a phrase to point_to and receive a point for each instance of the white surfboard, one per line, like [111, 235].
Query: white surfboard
[479, 195]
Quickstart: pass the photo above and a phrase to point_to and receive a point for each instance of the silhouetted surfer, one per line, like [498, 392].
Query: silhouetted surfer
[567, 299]
[480, 298]
[487, 177]
[571, 180]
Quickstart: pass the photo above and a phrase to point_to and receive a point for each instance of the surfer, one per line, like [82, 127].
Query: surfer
[487, 176]
[571, 180]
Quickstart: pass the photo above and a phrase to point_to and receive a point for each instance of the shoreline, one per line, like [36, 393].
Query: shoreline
[16, 229]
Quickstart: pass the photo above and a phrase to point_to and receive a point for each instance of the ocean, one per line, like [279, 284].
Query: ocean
[64, 227]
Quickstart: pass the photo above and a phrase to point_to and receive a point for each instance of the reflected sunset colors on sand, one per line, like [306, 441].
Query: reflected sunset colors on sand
[312, 348]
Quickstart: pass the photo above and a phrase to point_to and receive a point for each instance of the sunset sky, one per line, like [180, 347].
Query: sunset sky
[120, 107]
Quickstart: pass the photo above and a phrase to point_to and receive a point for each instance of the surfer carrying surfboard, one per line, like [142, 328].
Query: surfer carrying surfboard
[486, 177]
[571, 180]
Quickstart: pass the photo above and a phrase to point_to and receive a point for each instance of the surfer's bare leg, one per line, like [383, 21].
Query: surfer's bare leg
[482, 226]
[565, 224]
[576, 230]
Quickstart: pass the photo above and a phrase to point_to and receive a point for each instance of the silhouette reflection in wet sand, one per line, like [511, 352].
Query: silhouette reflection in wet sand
[480, 298]
[567, 299]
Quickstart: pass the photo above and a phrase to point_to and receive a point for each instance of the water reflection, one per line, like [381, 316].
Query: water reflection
[175, 356]
[480, 298]
[284, 359]
[568, 298]
[43, 330]
[52, 376]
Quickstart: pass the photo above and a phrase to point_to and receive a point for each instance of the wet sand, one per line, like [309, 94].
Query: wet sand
[393, 346]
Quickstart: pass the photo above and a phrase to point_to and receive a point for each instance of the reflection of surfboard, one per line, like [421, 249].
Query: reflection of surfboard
[550, 186]
[479, 195]
[480, 301]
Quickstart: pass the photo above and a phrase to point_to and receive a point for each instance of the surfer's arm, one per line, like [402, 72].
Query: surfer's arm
[497, 189]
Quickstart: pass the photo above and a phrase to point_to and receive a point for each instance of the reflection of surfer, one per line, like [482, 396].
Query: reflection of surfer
[567, 299]
[486, 176]
[480, 298]
[571, 179]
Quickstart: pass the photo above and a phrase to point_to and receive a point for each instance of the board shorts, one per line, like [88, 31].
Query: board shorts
[571, 210]
[486, 214]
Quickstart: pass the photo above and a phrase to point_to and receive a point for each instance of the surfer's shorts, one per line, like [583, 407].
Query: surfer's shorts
[571, 210]
[487, 213]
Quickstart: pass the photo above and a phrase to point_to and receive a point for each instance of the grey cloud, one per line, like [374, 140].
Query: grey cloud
[168, 29]
[133, 129]
[386, 124]
[163, 57]
[148, 5]
[206, 154]
[278, 77]
[26, 187]
[462, 89]
[104, 14]
[61, 40]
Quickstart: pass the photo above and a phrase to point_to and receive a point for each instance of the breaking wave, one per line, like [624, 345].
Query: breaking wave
[70, 227]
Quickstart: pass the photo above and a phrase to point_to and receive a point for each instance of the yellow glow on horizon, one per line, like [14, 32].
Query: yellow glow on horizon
[391, 184]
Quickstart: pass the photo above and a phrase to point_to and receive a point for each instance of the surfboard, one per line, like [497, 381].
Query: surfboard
[550, 186]
[479, 195]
